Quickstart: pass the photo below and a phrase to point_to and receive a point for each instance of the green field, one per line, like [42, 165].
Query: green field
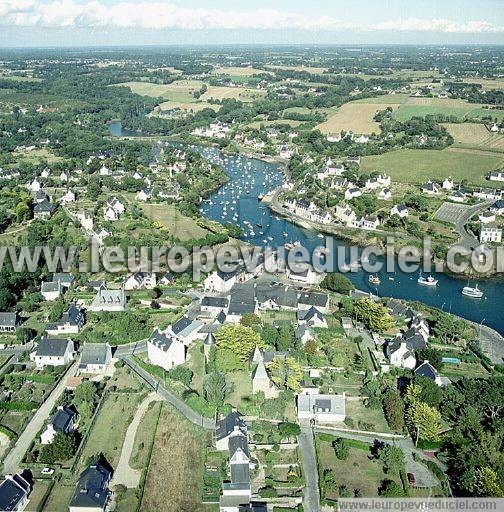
[177, 224]
[420, 165]
[180, 90]
[460, 109]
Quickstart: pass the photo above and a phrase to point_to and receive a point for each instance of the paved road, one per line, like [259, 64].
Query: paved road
[311, 501]
[179, 404]
[124, 474]
[15, 456]
[423, 477]
[466, 239]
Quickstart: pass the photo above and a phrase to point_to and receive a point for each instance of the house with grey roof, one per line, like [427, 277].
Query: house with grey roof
[140, 280]
[165, 350]
[65, 278]
[109, 300]
[226, 427]
[400, 353]
[427, 371]
[43, 209]
[214, 305]
[219, 281]
[63, 421]
[318, 408]
[14, 492]
[53, 352]
[71, 322]
[51, 290]
[312, 317]
[310, 299]
[92, 493]
[9, 322]
[284, 297]
[187, 330]
[95, 358]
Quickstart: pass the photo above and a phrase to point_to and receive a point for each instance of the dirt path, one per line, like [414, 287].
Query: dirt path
[124, 474]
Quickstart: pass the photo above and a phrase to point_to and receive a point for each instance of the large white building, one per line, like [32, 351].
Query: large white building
[165, 350]
[490, 234]
[313, 406]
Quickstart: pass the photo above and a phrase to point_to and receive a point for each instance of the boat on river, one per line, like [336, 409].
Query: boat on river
[427, 281]
[473, 292]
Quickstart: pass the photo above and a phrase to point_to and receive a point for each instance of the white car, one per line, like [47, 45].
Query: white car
[47, 471]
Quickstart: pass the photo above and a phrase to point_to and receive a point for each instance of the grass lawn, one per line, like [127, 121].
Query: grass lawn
[241, 384]
[173, 482]
[420, 165]
[177, 224]
[366, 418]
[108, 432]
[343, 348]
[143, 437]
[467, 369]
[59, 498]
[359, 471]
[39, 489]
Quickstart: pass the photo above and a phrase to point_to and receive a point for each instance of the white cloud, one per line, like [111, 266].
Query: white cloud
[161, 16]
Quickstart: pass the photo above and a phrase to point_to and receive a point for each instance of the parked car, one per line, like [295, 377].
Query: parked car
[411, 478]
[47, 471]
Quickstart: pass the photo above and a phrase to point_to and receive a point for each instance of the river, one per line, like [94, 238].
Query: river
[237, 202]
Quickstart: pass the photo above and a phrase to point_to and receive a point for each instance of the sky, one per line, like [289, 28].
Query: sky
[166, 22]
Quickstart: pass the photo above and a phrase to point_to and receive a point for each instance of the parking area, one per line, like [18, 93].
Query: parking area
[452, 212]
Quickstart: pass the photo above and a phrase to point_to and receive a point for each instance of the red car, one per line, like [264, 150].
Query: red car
[411, 478]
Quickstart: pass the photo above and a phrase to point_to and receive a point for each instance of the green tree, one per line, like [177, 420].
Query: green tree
[250, 319]
[393, 408]
[390, 489]
[239, 339]
[341, 449]
[215, 387]
[374, 315]
[423, 421]
[61, 449]
[392, 458]
[286, 372]
[288, 429]
[485, 483]
[338, 283]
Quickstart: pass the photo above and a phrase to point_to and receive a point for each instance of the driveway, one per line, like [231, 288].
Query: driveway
[311, 501]
[13, 460]
[124, 474]
[459, 214]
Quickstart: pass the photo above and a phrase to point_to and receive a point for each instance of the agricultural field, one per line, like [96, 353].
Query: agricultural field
[237, 71]
[291, 122]
[180, 90]
[177, 224]
[185, 107]
[475, 135]
[460, 109]
[420, 165]
[173, 480]
[486, 83]
[237, 93]
[309, 69]
[354, 116]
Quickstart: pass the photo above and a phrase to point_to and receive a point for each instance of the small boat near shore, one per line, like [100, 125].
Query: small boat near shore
[374, 279]
[427, 281]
